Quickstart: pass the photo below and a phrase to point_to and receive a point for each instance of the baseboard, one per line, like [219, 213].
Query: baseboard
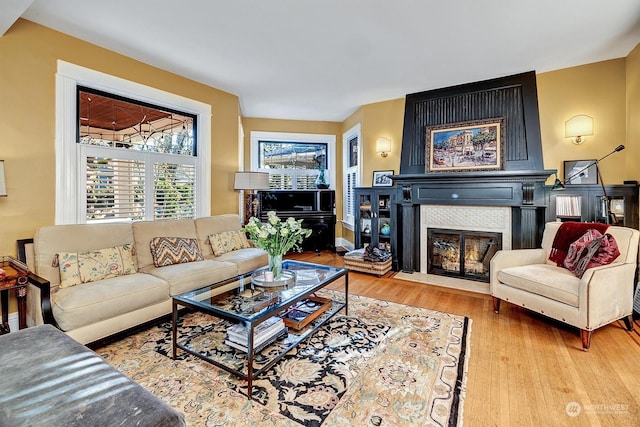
[344, 243]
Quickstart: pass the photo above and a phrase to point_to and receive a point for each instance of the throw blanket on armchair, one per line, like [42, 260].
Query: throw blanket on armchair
[568, 233]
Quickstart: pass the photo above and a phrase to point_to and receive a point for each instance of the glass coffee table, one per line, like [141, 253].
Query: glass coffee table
[247, 336]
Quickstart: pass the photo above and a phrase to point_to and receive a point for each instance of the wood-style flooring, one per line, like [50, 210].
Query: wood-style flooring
[525, 369]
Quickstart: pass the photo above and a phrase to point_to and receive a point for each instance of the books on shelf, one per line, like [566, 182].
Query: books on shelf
[263, 334]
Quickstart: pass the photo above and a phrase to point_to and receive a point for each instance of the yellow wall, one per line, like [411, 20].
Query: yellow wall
[381, 119]
[597, 90]
[28, 54]
[632, 153]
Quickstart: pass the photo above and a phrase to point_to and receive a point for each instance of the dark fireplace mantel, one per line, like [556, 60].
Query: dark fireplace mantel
[522, 191]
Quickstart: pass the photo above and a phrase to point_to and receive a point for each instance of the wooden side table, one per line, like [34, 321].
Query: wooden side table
[15, 277]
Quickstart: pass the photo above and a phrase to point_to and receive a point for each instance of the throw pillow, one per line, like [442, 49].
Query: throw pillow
[174, 250]
[90, 266]
[228, 241]
[592, 249]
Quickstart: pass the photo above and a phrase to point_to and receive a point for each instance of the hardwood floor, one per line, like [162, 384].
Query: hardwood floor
[525, 369]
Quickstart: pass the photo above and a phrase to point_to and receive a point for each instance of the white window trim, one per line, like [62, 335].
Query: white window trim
[348, 218]
[330, 140]
[68, 209]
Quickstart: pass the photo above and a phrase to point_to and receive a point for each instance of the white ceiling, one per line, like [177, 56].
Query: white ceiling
[323, 59]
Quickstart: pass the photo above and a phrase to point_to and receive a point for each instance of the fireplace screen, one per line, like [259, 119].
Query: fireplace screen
[461, 253]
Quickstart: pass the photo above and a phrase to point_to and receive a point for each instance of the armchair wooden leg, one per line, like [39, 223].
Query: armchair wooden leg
[496, 304]
[586, 339]
[628, 322]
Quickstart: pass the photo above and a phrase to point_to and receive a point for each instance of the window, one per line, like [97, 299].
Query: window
[121, 183]
[128, 157]
[293, 161]
[352, 155]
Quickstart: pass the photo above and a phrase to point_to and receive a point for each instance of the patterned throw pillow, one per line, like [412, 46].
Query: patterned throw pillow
[82, 267]
[592, 249]
[228, 241]
[174, 250]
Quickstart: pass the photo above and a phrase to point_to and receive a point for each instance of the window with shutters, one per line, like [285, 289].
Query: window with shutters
[124, 158]
[352, 157]
[138, 158]
[293, 161]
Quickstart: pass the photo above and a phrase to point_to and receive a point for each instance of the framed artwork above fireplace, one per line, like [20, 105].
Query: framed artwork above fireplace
[476, 145]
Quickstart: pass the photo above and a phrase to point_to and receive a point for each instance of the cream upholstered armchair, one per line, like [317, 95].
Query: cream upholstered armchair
[604, 294]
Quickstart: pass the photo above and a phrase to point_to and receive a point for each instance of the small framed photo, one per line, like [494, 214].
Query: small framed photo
[577, 172]
[382, 178]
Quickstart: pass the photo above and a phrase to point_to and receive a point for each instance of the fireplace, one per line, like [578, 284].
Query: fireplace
[458, 199]
[461, 253]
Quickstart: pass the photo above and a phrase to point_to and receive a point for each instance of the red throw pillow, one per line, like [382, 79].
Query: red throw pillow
[592, 249]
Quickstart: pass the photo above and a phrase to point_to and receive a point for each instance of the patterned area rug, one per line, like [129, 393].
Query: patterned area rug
[384, 364]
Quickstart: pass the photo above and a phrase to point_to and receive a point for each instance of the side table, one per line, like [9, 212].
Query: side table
[15, 277]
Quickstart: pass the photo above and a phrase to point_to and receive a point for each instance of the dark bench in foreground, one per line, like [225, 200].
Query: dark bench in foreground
[49, 379]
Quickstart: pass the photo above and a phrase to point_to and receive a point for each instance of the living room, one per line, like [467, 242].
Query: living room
[606, 90]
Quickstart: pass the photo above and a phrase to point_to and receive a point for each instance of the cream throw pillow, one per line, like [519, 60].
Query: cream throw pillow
[228, 241]
[82, 267]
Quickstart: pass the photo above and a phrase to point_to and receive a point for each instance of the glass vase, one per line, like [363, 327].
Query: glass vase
[275, 265]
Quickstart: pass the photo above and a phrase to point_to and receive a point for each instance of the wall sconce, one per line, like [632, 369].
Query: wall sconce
[251, 181]
[383, 146]
[3, 186]
[577, 127]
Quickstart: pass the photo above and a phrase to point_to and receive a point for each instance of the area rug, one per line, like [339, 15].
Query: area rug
[383, 364]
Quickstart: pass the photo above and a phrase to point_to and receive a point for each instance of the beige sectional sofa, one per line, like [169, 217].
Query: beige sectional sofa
[91, 311]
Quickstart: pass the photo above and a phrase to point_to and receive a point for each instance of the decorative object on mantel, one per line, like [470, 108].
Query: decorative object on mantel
[476, 145]
[578, 127]
[277, 238]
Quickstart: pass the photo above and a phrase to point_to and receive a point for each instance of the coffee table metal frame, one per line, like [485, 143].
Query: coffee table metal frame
[288, 297]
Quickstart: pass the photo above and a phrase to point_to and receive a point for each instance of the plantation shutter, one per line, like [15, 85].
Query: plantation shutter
[114, 189]
[174, 191]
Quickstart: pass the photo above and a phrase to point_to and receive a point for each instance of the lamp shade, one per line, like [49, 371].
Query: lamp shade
[251, 181]
[581, 125]
[383, 145]
[3, 186]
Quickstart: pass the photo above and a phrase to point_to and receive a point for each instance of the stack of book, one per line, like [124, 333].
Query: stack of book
[264, 334]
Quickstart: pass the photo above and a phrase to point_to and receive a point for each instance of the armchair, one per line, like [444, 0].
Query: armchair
[604, 294]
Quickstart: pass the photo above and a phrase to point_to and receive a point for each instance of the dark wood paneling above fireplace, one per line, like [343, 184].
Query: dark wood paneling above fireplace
[514, 97]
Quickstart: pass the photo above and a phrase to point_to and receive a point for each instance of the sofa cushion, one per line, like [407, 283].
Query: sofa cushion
[543, 279]
[51, 240]
[174, 250]
[90, 266]
[89, 303]
[246, 259]
[215, 224]
[228, 241]
[193, 275]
